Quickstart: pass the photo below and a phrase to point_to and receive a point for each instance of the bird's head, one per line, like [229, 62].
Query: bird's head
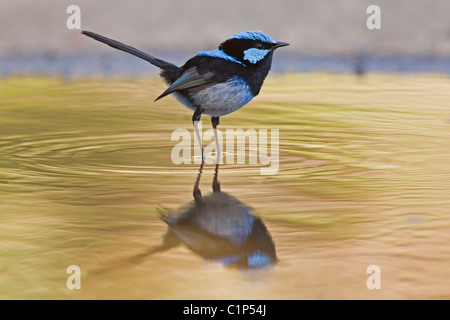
[248, 48]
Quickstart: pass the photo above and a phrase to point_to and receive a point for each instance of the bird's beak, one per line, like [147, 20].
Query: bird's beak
[280, 44]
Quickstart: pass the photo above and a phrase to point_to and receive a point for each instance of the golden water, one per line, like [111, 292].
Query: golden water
[364, 179]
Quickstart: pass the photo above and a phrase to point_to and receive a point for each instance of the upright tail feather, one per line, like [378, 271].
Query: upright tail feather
[145, 56]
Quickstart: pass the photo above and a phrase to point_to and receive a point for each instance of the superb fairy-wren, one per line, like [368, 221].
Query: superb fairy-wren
[215, 82]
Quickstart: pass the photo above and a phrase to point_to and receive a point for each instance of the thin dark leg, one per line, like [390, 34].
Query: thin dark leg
[197, 193]
[195, 119]
[215, 123]
[216, 184]
[197, 115]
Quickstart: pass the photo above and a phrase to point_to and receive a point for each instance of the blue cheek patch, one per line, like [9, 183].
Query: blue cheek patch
[254, 55]
[259, 259]
[219, 54]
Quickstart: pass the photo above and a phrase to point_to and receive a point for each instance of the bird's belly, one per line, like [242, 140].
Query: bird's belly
[219, 99]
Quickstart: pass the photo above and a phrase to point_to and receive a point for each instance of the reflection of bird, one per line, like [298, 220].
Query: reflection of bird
[219, 227]
[215, 82]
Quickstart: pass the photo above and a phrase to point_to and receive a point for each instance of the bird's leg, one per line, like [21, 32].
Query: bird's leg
[215, 123]
[197, 193]
[216, 184]
[195, 119]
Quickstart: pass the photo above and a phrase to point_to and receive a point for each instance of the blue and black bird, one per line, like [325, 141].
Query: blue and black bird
[215, 82]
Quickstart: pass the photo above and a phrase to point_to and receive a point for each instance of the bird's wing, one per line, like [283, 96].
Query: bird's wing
[189, 79]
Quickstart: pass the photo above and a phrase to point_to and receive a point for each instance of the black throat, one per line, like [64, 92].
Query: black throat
[255, 74]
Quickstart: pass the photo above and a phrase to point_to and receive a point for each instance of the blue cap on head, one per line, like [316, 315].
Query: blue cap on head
[254, 35]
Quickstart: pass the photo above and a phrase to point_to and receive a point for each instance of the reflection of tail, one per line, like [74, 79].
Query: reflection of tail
[170, 240]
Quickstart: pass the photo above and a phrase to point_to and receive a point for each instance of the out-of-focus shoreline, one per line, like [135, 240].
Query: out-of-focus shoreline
[114, 64]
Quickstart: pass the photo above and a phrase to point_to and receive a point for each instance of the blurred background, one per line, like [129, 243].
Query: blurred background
[364, 147]
[326, 35]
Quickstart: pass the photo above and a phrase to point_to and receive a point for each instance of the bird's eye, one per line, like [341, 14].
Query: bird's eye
[258, 45]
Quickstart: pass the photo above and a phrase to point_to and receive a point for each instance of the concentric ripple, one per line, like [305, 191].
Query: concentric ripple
[364, 177]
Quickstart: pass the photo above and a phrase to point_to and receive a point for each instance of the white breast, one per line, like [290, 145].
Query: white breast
[220, 99]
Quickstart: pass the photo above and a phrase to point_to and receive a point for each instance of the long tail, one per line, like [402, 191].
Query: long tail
[145, 56]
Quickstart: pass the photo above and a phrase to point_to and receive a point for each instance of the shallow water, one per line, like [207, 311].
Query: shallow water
[364, 179]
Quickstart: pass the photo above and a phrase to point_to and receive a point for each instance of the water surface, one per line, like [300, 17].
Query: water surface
[364, 179]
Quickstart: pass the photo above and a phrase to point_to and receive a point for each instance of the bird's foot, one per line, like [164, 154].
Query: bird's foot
[199, 159]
